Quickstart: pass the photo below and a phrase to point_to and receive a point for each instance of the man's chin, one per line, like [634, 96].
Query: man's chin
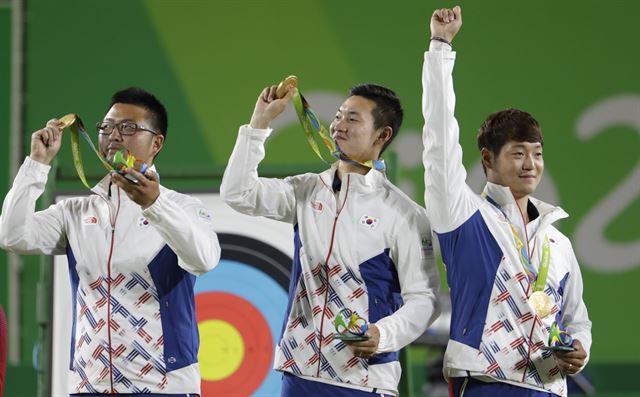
[522, 191]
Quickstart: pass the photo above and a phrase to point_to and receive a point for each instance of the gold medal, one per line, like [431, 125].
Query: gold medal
[541, 303]
[283, 87]
[66, 120]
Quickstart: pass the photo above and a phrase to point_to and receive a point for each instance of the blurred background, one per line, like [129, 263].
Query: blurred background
[574, 65]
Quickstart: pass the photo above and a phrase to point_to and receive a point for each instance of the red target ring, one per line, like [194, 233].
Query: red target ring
[256, 336]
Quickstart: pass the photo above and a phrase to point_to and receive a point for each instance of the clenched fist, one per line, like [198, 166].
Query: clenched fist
[445, 23]
[45, 143]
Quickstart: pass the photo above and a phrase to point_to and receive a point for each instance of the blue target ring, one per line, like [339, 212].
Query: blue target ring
[258, 273]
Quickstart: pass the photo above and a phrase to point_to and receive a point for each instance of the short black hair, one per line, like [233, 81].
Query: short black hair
[388, 111]
[140, 97]
[508, 125]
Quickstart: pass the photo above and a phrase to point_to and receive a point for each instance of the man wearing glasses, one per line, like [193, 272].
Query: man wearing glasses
[133, 257]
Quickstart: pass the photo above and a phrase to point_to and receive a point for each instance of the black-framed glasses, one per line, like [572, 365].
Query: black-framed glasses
[124, 128]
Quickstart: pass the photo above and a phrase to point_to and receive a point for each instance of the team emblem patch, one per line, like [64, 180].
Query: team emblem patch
[204, 214]
[427, 245]
[369, 222]
[90, 220]
[317, 206]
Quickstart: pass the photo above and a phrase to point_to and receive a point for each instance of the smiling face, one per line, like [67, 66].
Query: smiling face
[353, 129]
[519, 166]
[144, 145]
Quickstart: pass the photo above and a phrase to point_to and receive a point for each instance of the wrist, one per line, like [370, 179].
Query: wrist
[150, 203]
[40, 159]
[259, 123]
[442, 38]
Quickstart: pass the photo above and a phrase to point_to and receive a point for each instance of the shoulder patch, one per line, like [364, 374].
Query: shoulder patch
[204, 214]
[427, 245]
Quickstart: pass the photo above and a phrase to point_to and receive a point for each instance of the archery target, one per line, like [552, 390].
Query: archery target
[240, 305]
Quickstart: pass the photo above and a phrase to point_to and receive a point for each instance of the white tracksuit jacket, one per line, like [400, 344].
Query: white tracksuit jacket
[495, 333]
[134, 327]
[367, 248]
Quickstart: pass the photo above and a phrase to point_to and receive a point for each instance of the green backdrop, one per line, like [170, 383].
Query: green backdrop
[208, 60]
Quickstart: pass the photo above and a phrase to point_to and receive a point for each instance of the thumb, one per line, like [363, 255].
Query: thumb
[152, 176]
[292, 91]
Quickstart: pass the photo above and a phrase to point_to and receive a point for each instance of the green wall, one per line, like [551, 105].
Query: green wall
[5, 96]
[208, 61]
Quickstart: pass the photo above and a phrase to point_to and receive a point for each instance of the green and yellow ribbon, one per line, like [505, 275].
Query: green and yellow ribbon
[122, 159]
[539, 280]
[314, 130]
[77, 129]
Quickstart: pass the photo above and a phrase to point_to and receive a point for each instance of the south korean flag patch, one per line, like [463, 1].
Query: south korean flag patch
[369, 222]
[143, 222]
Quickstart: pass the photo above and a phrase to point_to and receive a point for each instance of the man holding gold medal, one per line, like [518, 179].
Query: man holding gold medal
[363, 282]
[134, 249]
[519, 324]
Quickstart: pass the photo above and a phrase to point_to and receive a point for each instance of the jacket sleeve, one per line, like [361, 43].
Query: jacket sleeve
[186, 225]
[249, 194]
[22, 229]
[574, 312]
[448, 199]
[419, 286]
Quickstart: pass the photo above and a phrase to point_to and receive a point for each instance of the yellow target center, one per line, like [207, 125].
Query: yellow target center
[221, 350]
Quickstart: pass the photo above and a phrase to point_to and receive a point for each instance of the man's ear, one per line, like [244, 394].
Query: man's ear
[487, 158]
[385, 135]
[158, 142]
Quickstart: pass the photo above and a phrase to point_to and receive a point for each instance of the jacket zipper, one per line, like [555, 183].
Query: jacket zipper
[113, 234]
[535, 317]
[326, 270]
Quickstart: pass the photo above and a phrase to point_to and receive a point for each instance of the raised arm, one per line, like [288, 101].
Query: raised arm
[241, 187]
[448, 199]
[23, 230]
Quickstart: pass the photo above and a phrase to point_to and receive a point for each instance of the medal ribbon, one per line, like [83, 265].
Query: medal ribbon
[540, 280]
[312, 126]
[77, 128]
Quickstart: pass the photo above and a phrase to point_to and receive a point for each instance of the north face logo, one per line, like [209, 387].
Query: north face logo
[317, 206]
[90, 220]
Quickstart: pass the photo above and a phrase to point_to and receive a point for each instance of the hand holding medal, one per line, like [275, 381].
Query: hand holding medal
[285, 85]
